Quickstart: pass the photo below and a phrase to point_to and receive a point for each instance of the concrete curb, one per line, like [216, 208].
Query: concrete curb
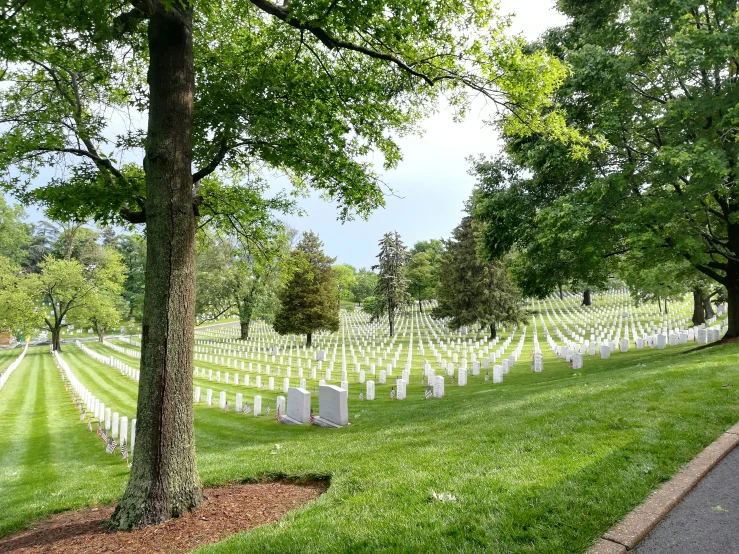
[630, 531]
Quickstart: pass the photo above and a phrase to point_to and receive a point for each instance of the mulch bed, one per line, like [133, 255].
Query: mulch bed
[227, 510]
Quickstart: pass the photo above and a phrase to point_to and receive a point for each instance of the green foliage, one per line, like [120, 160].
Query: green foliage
[369, 304]
[345, 279]
[655, 84]
[308, 300]
[391, 291]
[250, 58]
[15, 234]
[365, 282]
[234, 276]
[472, 291]
[19, 308]
[74, 291]
[132, 248]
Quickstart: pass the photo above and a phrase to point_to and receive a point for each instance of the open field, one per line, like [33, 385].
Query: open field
[540, 463]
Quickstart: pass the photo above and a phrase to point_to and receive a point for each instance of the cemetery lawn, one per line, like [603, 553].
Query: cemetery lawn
[541, 463]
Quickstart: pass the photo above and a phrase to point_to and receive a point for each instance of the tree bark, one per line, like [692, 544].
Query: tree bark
[586, 298]
[561, 294]
[246, 309]
[309, 340]
[420, 307]
[659, 304]
[732, 319]
[164, 481]
[698, 317]
[666, 306]
[493, 332]
[55, 342]
[708, 307]
[245, 330]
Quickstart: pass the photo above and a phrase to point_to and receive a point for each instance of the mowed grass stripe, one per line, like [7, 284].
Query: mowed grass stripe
[58, 463]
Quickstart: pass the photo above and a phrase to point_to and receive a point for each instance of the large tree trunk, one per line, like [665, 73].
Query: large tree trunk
[245, 330]
[561, 294]
[708, 307]
[586, 297]
[309, 340]
[420, 307]
[391, 320]
[55, 342]
[164, 480]
[659, 304]
[246, 309]
[698, 317]
[666, 306]
[732, 319]
[493, 332]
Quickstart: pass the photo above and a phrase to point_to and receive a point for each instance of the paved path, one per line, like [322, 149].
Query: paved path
[706, 521]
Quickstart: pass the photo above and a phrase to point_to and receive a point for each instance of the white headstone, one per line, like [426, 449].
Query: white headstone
[333, 406]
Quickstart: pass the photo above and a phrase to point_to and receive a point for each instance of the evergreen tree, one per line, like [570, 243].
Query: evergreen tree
[471, 290]
[308, 301]
[392, 285]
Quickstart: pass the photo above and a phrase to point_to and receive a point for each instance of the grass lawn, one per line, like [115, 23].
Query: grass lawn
[541, 463]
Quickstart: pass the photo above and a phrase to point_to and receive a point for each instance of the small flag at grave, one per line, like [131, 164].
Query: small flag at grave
[487, 376]
[428, 392]
[100, 431]
[277, 416]
[104, 435]
[392, 393]
[311, 415]
[89, 426]
[225, 407]
[111, 446]
[269, 409]
[361, 396]
[124, 450]
[247, 409]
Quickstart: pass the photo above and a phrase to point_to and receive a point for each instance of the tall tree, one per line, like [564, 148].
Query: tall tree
[15, 233]
[229, 84]
[19, 305]
[365, 282]
[345, 279]
[473, 291]
[132, 247]
[656, 84]
[423, 274]
[308, 300]
[391, 291]
[74, 290]
[236, 277]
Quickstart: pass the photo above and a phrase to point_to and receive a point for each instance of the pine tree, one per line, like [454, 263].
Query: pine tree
[392, 286]
[473, 291]
[308, 301]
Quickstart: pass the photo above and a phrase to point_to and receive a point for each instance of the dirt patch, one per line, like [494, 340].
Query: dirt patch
[227, 510]
[712, 344]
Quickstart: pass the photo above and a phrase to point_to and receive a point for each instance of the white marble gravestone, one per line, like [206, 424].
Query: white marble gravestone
[298, 405]
[370, 390]
[438, 386]
[257, 405]
[400, 387]
[333, 406]
[462, 377]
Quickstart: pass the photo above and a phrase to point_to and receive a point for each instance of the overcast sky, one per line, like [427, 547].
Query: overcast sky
[431, 182]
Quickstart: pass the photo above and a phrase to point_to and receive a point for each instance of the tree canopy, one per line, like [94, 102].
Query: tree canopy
[308, 300]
